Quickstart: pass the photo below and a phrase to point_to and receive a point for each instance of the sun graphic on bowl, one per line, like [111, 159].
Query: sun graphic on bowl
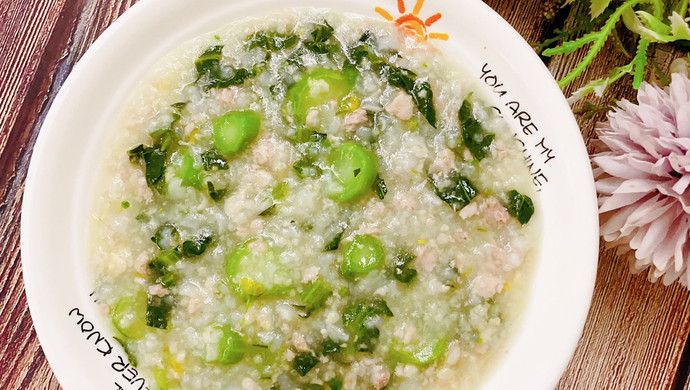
[413, 22]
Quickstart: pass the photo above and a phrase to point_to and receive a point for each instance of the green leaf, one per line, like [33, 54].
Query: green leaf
[640, 62]
[473, 134]
[335, 383]
[158, 311]
[196, 246]
[305, 168]
[216, 194]
[334, 242]
[423, 97]
[459, 194]
[520, 206]
[316, 294]
[212, 75]
[231, 347]
[401, 270]
[212, 159]
[357, 318]
[271, 40]
[330, 347]
[598, 6]
[304, 362]
[155, 162]
[379, 187]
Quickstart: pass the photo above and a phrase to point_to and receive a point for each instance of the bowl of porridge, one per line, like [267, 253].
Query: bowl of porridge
[309, 196]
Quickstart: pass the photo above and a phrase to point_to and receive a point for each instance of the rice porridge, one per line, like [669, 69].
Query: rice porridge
[312, 200]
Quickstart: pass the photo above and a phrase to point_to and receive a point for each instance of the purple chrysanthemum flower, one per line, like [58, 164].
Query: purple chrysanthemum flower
[643, 180]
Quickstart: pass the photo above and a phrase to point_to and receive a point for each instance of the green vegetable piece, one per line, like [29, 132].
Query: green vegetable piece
[270, 211]
[213, 160]
[357, 317]
[335, 384]
[399, 77]
[158, 311]
[362, 49]
[304, 362]
[355, 170]
[520, 206]
[129, 316]
[235, 130]
[362, 256]
[166, 139]
[154, 160]
[316, 294]
[459, 194]
[231, 348]
[306, 168]
[196, 246]
[316, 88]
[253, 269]
[420, 355]
[379, 187]
[209, 60]
[271, 40]
[216, 194]
[334, 243]
[473, 135]
[320, 36]
[212, 75]
[401, 271]
[280, 191]
[125, 205]
[167, 237]
[190, 175]
[423, 97]
[330, 347]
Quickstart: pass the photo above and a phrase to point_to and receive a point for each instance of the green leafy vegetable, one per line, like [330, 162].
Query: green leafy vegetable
[401, 270]
[161, 267]
[196, 246]
[316, 294]
[212, 75]
[191, 176]
[520, 206]
[334, 243]
[330, 347]
[212, 159]
[335, 384]
[473, 135]
[459, 194]
[216, 194]
[421, 354]
[320, 37]
[306, 168]
[158, 311]
[280, 191]
[304, 362]
[379, 187]
[271, 40]
[271, 210]
[154, 160]
[357, 319]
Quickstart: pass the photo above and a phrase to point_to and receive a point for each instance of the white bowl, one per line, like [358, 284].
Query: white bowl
[62, 174]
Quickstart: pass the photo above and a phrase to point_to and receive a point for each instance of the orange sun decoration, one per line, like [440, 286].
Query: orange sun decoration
[413, 22]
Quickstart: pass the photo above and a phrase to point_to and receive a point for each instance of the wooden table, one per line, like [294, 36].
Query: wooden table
[637, 334]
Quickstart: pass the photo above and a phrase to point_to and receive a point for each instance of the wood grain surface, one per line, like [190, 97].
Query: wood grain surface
[637, 334]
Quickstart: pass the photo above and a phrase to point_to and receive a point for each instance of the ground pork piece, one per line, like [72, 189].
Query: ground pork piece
[380, 377]
[355, 120]
[300, 342]
[444, 163]
[495, 212]
[158, 290]
[310, 274]
[402, 106]
[426, 258]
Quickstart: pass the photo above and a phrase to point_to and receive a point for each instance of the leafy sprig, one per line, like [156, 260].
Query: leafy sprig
[652, 21]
